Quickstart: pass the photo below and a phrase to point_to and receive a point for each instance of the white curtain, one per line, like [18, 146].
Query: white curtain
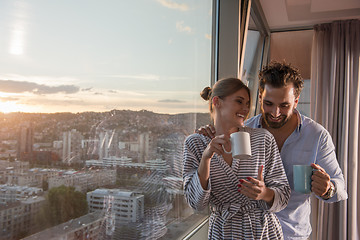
[335, 91]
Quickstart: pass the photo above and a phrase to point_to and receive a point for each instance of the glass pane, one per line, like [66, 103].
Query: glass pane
[99, 96]
[252, 64]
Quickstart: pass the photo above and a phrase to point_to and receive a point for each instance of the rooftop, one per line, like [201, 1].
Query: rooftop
[59, 230]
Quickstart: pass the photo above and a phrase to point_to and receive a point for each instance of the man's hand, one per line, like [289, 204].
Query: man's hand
[320, 180]
[256, 189]
[207, 130]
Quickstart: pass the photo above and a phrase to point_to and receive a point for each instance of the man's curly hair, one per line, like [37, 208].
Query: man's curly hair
[278, 75]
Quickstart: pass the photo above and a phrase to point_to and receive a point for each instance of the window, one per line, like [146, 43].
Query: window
[87, 87]
[256, 51]
[252, 65]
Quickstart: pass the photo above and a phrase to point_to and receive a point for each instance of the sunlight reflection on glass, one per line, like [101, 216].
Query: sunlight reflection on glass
[17, 41]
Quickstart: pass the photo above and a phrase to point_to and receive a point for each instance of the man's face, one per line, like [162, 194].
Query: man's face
[277, 105]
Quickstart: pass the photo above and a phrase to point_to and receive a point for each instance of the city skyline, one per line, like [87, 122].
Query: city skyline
[89, 56]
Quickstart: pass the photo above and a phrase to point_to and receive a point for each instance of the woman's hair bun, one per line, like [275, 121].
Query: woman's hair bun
[206, 93]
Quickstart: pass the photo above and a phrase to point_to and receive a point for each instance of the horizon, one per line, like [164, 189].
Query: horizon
[141, 110]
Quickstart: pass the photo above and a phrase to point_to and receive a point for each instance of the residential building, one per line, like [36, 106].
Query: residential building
[84, 181]
[89, 226]
[18, 219]
[125, 206]
[10, 194]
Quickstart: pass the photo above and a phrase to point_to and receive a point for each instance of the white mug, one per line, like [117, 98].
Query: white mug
[240, 145]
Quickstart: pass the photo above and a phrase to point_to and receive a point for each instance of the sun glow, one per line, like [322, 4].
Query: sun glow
[7, 107]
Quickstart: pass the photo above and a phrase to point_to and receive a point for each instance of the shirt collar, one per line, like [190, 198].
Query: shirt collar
[300, 120]
[298, 115]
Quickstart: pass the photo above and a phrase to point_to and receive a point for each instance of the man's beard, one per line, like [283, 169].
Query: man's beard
[271, 124]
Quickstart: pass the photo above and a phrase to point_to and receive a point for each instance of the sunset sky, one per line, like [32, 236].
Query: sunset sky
[91, 55]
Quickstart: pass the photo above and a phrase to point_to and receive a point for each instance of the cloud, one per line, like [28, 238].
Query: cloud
[174, 5]
[8, 99]
[39, 79]
[11, 86]
[171, 101]
[58, 102]
[181, 28]
[87, 89]
[112, 91]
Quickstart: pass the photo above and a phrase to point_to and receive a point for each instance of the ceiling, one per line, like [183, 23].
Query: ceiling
[289, 14]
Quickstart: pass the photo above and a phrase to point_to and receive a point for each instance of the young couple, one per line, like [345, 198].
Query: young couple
[253, 198]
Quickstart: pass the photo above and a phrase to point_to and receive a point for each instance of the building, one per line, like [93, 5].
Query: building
[125, 162]
[8, 149]
[9, 169]
[144, 143]
[25, 142]
[29, 177]
[116, 161]
[72, 146]
[90, 148]
[125, 206]
[104, 144]
[157, 165]
[89, 226]
[84, 181]
[18, 219]
[10, 194]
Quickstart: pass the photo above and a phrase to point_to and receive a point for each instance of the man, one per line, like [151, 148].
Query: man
[301, 141]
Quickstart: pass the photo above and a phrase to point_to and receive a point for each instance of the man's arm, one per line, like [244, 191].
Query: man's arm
[328, 181]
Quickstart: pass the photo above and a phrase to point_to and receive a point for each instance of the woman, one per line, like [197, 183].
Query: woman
[243, 194]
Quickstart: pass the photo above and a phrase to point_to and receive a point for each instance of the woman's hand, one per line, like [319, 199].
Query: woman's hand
[256, 189]
[216, 146]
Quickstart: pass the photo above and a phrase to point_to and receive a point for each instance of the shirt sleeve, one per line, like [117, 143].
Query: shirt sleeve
[326, 158]
[196, 196]
[275, 177]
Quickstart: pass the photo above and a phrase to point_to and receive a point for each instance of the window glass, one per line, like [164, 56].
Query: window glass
[252, 62]
[97, 98]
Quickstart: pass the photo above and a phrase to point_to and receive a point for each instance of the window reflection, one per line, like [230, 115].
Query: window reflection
[107, 91]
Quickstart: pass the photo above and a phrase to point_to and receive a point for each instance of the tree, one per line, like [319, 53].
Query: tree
[62, 204]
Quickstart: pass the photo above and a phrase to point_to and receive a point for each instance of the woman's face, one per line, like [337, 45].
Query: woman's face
[235, 108]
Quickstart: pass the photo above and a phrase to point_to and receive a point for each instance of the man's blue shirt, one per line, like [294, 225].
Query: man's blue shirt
[309, 143]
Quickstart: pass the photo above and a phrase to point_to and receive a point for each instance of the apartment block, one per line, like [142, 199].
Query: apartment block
[18, 219]
[89, 226]
[84, 181]
[125, 206]
[10, 194]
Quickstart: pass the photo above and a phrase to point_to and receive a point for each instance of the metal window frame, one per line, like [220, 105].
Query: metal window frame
[230, 28]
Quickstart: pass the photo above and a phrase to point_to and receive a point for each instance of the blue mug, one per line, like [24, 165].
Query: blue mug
[302, 178]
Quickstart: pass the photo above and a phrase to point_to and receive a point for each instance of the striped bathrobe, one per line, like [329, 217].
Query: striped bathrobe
[234, 215]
